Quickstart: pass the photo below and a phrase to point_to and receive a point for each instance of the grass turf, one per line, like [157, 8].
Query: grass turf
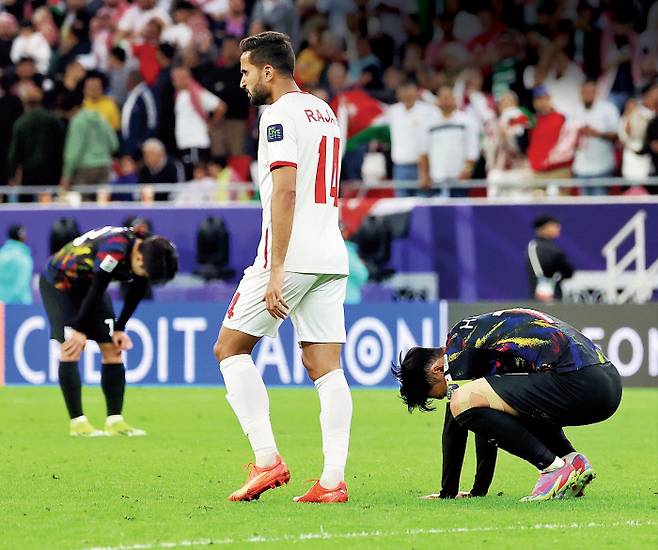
[171, 487]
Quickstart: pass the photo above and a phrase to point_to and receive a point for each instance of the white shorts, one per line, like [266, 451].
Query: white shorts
[315, 302]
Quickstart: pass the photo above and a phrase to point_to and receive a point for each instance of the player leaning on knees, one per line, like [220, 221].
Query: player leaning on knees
[73, 288]
[529, 375]
[300, 270]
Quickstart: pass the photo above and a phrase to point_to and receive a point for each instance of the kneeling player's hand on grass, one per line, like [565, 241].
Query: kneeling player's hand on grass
[122, 340]
[74, 344]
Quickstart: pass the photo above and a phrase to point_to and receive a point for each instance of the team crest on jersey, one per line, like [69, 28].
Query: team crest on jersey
[275, 132]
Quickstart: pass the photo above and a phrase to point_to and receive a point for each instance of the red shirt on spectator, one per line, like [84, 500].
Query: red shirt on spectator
[547, 148]
[148, 61]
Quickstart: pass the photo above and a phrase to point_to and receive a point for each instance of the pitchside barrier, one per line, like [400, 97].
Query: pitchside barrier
[173, 342]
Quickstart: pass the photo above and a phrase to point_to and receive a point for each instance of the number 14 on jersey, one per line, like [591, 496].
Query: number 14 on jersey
[320, 177]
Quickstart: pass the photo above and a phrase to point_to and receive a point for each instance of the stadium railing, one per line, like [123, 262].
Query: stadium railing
[146, 192]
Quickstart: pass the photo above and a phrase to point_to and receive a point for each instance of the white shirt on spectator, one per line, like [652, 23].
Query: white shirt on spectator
[191, 128]
[594, 155]
[449, 143]
[179, 35]
[34, 46]
[135, 19]
[563, 89]
[406, 125]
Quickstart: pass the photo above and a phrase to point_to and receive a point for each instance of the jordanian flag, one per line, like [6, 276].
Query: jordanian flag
[361, 118]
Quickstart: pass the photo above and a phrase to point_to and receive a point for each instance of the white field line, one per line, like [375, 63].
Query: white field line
[325, 535]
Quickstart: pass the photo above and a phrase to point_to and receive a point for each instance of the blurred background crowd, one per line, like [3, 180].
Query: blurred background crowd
[506, 91]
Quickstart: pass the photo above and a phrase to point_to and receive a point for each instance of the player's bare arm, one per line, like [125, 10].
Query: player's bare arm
[283, 208]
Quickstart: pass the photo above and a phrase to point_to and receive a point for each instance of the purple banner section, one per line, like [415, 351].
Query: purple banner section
[478, 250]
[178, 224]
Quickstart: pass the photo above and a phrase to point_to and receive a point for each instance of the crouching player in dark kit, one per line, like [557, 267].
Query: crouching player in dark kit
[73, 288]
[529, 375]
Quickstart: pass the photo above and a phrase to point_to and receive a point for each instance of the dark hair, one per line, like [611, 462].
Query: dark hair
[412, 375]
[119, 53]
[16, 232]
[71, 100]
[167, 50]
[160, 259]
[270, 48]
[543, 220]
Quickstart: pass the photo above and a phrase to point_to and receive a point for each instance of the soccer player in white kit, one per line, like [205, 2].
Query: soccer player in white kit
[300, 270]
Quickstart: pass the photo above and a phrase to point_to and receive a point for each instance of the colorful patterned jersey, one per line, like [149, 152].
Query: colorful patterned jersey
[517, 341]
[106, 249]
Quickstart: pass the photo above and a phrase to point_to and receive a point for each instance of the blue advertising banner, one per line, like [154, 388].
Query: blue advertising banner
[173, 345]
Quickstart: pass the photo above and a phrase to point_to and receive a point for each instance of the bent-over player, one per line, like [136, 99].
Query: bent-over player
[300, 270]
[529, 375]
[73, 288]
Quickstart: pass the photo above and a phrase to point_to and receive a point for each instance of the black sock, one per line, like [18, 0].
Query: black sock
[485, 455]
[113, 382]
[69, 381]
[553, 437]
[508, 433]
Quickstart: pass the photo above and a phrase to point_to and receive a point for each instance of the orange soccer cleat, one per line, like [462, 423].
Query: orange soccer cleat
[318, 493]
[262, 479]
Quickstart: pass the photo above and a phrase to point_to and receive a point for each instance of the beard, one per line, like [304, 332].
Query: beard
[259, 96]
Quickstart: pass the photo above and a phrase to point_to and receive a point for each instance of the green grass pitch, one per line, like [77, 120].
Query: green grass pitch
[169, 489]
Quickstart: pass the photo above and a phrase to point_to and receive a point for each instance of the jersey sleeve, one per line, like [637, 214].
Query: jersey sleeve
[111, 251]
[280, 135]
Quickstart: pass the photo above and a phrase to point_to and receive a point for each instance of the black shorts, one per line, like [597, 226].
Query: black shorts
[62, 308]
[575, 398]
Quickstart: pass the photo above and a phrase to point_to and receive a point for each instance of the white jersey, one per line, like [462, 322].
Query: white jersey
[301, 130]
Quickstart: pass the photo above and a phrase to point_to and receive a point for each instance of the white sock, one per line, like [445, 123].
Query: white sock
[113, 418]
[78, 419]
[247, 396]
[335, 420]
[556, 464]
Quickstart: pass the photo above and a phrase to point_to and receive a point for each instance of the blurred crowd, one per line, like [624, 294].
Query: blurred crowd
[147, 91]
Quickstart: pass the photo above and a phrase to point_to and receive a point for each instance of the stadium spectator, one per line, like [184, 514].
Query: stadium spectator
[89, 145]
[552, 140]
[96, 100]
[159, 167]
[365, 67]
[547, 264]
[136, 17]
[16, 266]
[558, 74]
[407, 119]
[31, 43]
[163, 90]
[619, 56]
[449, 145]
[598, 122]
[126, 173]
[139, 115]
[71, 83]
[636, 164]
[11, 108]
[446, 52]
[118, 69]
[180, 33]
[505, 151]
[8, 32]
[35, 156]
[145, 49]
[278, 15]
[192, 105]
[587, 41]
[310, 61]
[28, 76]
[234, 21]
[44, 23]
[651, 147]
[228, 136]
[202, 189]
